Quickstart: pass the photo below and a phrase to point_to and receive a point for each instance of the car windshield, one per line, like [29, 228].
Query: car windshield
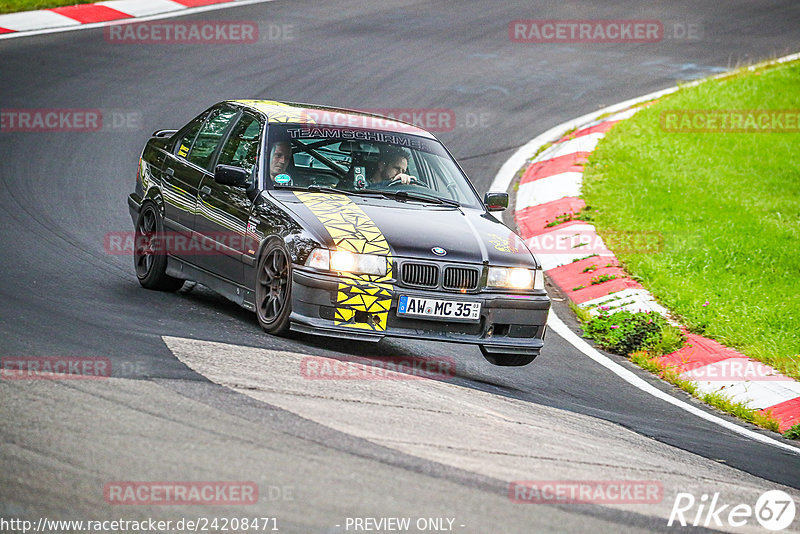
[400, 166]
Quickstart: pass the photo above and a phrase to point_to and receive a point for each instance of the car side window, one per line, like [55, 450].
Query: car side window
[241, 148]
[187, 136]
[210, 136]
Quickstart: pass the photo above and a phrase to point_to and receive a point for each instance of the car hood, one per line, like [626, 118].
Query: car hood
[411, 229]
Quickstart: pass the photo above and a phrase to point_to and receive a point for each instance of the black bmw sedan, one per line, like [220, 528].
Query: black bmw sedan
[338, 223]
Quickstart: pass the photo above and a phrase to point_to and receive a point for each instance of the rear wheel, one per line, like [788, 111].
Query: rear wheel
[507, 360]
[150, 255]
[274, 289]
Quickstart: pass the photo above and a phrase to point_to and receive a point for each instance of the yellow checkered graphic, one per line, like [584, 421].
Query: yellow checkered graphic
[352, 230]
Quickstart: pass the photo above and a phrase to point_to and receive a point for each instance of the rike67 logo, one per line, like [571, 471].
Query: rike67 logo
[774, 510]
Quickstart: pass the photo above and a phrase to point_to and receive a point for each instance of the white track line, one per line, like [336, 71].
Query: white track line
[171, 14]
[628, 376]
[502, 182]
[502, 179]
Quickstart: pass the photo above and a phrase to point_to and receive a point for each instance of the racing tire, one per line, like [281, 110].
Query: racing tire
[149, 255]
[274, 289]
[507, 360]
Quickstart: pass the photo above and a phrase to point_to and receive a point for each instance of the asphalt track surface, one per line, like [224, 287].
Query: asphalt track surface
[179, 408]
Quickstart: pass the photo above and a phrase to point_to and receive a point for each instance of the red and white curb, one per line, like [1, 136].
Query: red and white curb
[550, 187]
[101, 13]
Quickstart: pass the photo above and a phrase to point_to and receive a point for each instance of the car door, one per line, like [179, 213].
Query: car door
[183, 171]
[179, 191]
[223, 211]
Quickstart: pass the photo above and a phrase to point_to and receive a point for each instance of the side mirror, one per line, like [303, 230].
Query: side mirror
[495, 201]
[229, 175]
[164, 133]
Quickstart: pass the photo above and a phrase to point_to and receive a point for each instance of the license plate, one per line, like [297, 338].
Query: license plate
[438, 309]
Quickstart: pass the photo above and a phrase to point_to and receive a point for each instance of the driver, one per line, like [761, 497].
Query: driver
[279, 157]
[392, 166]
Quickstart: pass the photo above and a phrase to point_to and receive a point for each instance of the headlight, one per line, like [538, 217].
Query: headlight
[511, 277]
[345, 261]
[319, 258]
[342, 260]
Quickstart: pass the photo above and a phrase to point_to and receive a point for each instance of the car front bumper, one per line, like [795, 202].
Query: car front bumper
[509, 323]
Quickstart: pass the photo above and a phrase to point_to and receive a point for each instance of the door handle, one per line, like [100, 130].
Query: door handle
[169, 172]
[205, 190]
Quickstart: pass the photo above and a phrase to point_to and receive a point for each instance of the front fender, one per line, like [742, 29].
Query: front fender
[154, 194]
[270, 220]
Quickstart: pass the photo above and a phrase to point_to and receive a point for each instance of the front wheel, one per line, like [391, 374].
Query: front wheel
[150, 255]
[507, 360]
[274, 289]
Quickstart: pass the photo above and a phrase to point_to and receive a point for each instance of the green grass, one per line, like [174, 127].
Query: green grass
[643, 342]
[12, 6]
[793, 432]
[624, 332]
[649, 362]
[728, 206]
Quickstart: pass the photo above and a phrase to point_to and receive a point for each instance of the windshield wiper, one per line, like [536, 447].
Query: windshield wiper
[312, 188]
[323, 189]
[421, 197]
[406, 195]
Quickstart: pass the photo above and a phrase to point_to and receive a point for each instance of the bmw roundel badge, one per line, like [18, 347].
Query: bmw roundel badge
[439, 251]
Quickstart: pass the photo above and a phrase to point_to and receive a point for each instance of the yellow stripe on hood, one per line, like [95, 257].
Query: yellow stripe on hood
[351, 229]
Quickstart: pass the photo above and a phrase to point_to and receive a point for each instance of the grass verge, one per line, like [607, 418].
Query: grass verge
[793, 433]
[643, 337]
[727, 205]
[12, 6]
